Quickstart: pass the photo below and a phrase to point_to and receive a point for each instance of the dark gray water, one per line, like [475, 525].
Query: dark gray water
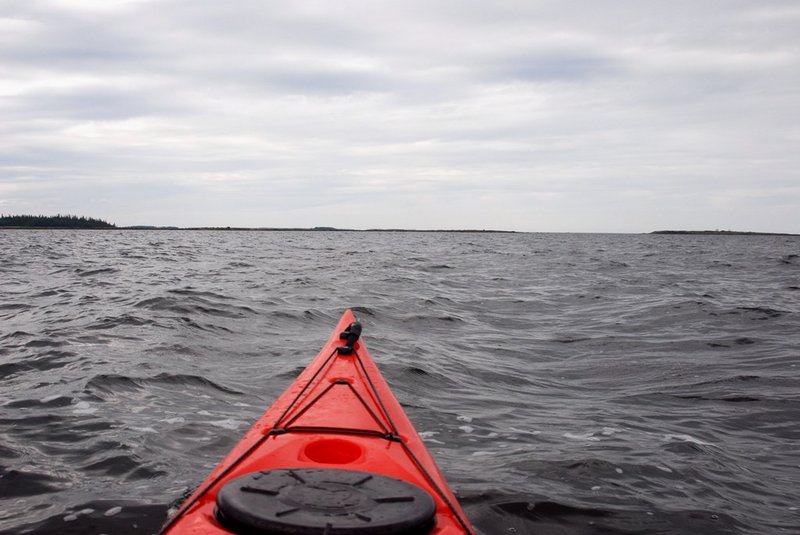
[575, 384]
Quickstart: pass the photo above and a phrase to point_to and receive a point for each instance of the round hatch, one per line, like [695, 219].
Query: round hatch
[305, 501]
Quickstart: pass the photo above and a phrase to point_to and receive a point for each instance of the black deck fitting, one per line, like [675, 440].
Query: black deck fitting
[350, 335]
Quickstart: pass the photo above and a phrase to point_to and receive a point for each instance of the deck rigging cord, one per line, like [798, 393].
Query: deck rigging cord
[388, 432]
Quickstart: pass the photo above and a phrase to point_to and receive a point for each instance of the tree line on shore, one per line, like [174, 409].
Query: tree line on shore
[56, 221]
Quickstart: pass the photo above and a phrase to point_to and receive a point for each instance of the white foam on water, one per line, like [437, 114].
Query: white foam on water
[582, 436]
[174, 420]
[113, 511]
[427, 436]
[686, 438]
[74, 516]
[524, 431]
[83, 407]
[227, 423]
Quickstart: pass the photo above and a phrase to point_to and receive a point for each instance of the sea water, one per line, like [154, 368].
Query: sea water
[565, 383]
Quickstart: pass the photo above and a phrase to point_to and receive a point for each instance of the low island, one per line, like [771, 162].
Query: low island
[722, 233]
[82, 222]
[55, 222]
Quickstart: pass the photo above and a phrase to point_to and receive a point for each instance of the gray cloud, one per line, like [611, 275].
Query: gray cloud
[593, 116]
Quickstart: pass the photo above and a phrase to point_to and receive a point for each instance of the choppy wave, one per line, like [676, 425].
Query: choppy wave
[579, 384]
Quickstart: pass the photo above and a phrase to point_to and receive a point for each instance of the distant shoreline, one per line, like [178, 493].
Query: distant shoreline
[395, 230]
[722, 233]
[70, 222]
[67, 222]
[259, 229]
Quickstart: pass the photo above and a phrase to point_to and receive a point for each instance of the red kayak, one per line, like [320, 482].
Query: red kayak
[334, 455]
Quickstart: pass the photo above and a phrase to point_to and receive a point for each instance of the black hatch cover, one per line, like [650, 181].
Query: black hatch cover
[306, 501]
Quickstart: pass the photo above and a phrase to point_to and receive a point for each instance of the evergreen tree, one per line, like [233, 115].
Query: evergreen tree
[57, 221]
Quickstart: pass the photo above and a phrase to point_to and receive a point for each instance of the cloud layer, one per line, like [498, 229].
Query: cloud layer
[535, 116]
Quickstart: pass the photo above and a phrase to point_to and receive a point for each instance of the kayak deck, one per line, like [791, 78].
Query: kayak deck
[340, 417]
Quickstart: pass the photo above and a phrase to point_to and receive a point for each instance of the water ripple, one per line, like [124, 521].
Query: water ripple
[578, 384]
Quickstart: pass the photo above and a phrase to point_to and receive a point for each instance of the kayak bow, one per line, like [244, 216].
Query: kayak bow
[335, 454]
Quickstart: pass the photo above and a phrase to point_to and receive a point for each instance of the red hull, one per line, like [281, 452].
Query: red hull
[338, 414]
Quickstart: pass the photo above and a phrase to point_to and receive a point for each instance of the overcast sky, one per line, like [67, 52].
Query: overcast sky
[530, 115]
